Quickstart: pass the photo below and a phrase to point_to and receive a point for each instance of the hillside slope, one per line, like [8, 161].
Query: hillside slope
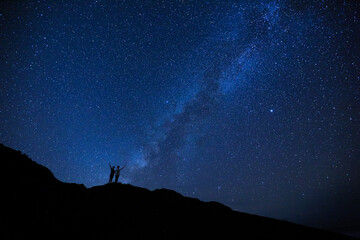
[38, 205]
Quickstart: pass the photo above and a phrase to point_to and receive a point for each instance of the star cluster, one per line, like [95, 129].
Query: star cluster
[254, 104]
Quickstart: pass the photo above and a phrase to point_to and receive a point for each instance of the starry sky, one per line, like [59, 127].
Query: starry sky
[254, 104]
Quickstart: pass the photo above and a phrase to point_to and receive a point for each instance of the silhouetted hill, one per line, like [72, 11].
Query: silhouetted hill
[41, 207]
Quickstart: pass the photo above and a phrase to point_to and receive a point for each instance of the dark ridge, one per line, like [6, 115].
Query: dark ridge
[39, 206]
[19, 168]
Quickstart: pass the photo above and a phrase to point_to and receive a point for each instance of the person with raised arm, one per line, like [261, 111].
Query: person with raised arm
[117, 173]
[112, 172]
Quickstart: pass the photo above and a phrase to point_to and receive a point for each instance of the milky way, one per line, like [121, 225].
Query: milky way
[254, 104]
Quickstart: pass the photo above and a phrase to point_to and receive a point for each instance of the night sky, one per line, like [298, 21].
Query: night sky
[255, 104]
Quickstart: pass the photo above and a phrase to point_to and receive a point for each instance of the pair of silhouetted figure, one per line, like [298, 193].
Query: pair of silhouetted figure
[115, 172]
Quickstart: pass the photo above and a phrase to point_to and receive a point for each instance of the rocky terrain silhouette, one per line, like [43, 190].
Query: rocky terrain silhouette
[39, 206]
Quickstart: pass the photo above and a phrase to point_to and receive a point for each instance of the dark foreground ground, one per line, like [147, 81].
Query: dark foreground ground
[42, 207]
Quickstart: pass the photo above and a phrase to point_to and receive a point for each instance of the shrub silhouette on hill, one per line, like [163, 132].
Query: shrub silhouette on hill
[40, 206]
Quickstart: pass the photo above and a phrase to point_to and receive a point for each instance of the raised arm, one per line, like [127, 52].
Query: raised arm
[122, 168]
[109, 165]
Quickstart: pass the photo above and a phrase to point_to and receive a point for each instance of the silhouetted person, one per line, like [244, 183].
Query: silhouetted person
[117, 173]
[112, 172]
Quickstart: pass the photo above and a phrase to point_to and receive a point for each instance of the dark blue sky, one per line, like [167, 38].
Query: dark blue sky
[251, 103]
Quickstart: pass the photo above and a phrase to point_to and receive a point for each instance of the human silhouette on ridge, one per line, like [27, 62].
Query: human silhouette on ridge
[112, 172]
[117, 173]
